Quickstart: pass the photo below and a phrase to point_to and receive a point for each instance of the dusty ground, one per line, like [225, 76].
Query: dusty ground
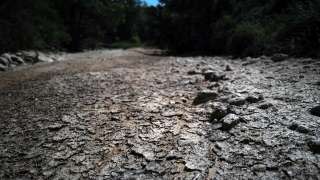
[129, 115]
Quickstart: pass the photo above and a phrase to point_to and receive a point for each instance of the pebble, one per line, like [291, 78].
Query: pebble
[214, 76]
[254, 98]
[265, 105]
[219, 113]
[238, 101]
[229, 122]
[299, 128]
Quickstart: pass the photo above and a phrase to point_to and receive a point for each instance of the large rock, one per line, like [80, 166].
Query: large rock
[299, 128]
[254, 98]
[214, 76]
[219, 112]
[315, 111]
[3, 68]
[44, 58]
[7, 56]
[4, 61]
[17, 60]
[204, 97]
[314, 146]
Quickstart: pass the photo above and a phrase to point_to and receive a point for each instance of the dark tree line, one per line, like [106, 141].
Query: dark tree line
[241, 28]
[67, 24]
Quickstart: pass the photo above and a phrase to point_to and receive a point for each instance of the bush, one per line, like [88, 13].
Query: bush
[247, 40]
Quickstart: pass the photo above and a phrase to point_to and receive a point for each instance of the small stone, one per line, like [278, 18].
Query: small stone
[55, 127]
[238, 101]
[314, 146]
[299, 128]
[279, 57]
[171, 113]
[315, 111]
[265, 105]
[155, 167]
[17, 60]
[254, 98]
[213, 76]
[193, 72]
[3, 68]
[259, 168]
[4, 61]
[229, 122]
[219, 113]
[228, 68]
[79, 159]
[174, 155]
[204, 97]
[196, 164]
[147, 154]
[7, 56]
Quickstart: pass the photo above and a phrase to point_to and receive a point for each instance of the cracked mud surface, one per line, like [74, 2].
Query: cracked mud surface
[134, 116]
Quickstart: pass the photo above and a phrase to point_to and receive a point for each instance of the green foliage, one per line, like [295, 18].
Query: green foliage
[67, 24]
[247, 39]
[243, 28]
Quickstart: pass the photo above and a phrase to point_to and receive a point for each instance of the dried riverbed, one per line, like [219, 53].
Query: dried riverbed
[136, 116]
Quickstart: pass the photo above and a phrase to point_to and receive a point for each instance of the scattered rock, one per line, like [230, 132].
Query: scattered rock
[146, 153]
[44, 58]
[17, 60]
[204, 97]
[7, 56]
[174, 155]
[229, 122]
[155, 167]
[219, 113]
[228, 68]
[299, 128]
[254, 98]
[279, 57]
[196, 164]
[218, 135]
[55, 127]
[171, 113]
[314, 146]
[4, 61]
[213, 76]
[315, 111]
[265, 105]
[259, 168]
[238, 101]
[193, 72]
[3, 68]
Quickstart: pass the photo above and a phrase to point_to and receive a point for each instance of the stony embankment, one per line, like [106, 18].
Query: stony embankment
[164, 118]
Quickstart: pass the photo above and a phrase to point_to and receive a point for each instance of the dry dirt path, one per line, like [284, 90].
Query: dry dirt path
[129, 115]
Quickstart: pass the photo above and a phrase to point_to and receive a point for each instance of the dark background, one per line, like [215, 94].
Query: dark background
[217, 27]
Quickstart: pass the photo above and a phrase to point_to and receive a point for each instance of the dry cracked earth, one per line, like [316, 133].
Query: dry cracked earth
[130, 115]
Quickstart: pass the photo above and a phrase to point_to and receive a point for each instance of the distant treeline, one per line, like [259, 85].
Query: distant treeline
[70, 24]
[243, 27]
[240, 28]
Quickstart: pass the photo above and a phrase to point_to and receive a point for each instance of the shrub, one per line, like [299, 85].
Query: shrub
[247, 40]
